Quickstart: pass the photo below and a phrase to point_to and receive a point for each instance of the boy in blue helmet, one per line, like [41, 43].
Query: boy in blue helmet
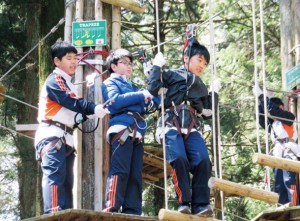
[186, 98]
[127, 127]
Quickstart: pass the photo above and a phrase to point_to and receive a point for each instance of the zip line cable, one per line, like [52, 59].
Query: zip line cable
[61, 21]
[22, 102]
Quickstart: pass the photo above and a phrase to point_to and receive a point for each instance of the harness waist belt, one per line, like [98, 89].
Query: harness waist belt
[285, 140]
[60, 125]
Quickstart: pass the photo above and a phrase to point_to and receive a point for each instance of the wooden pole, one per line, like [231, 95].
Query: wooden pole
[98, 144]
[242, 190]
[77, 192]
[116, 27]
[276, 162]
[171, 215]
[128, 4]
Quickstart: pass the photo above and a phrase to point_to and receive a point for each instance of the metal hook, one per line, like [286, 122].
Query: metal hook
[190, 31]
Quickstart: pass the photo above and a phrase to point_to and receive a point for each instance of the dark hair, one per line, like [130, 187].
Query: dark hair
[277, 101]
[115, 56]
[197, 49]
[61, 48]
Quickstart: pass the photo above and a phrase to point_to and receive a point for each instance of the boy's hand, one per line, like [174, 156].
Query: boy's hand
[147, 95]
[100, 111]
[215, 85]
[256, 90]
[207, 112]
[159, 60]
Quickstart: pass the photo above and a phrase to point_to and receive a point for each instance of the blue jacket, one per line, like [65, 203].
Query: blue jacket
[128, 99]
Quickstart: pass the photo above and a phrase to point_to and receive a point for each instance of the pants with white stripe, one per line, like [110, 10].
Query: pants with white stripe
[189, 156]
[57, 183]
[124, 182]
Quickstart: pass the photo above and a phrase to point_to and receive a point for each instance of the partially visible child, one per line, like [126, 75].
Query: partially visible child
[284, 134]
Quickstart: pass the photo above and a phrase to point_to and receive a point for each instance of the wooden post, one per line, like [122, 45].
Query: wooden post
[77, 191]
[116, 27]
[285, 39]
[171, 215]
[98, 196]
[68, 22]
[242, 190]
[276, 162]
[128, 4]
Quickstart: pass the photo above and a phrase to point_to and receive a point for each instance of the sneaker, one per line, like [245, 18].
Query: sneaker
[204, 211]
[184, 209]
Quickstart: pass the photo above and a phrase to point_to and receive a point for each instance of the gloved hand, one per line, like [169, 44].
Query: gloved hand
[159, 60]
[207, 112]
[215, 85]
[100, 111]
[147, 95]
[147, 67]
[256, 90]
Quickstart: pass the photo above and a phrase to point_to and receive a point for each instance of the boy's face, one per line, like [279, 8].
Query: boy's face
[196, 64]
[68, 63]
[123, 67]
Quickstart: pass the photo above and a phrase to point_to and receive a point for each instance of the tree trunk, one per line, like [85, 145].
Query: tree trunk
[28, 85]
[286, 39]
[29, 172]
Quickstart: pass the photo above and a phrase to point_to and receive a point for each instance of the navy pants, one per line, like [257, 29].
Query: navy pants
[58, 178]
[124, 182]
[189, 156]
[285, 186]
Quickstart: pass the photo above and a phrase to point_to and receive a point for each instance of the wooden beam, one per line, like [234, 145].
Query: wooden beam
[242, 190]
[156, 162]
[276, 162]
[150, 178]
[27, 129]
[171, 215]
[128, 4]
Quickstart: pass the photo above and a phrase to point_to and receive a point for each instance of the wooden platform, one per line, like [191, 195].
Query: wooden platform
[89, 215]
[280, 214]
[153, 165]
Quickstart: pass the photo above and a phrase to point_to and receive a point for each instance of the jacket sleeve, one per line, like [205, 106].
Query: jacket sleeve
[275, 111]
[110, 89]
[59, 92]
[154, 80]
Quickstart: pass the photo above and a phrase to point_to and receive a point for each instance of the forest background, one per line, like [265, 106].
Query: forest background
[21, 29]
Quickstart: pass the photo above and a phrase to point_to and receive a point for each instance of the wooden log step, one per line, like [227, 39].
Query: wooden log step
[242, 190]
[276, 162]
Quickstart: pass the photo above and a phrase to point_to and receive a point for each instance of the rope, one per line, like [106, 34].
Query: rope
[13, 131]
[61, 21]
[255, 75]
[215, 119]
[264, 87]
[15, 99]
[162, 111]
